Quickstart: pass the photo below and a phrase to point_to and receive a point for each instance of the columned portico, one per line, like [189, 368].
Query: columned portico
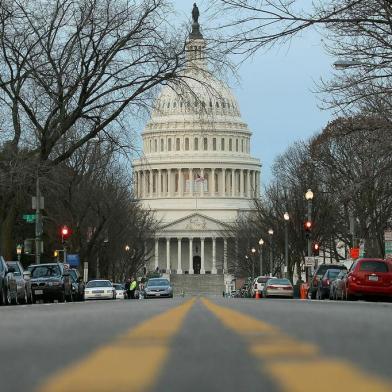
[190, 271]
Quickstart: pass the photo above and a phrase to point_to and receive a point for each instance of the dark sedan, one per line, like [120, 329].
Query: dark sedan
[50, 281]
[158, 288]
[325, 283]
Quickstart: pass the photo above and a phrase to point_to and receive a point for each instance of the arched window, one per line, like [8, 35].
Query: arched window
[236, 145]
[156, 145]
[217, 104]
[178, 144]
[186, 143]
[230, 145]
[162, 144]
[196, 144]
[214, 143]
[242, 145]
[150, 150]
[223, 144]
[169, 144]
[205, 144]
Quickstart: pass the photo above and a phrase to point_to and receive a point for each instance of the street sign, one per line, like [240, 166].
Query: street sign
[41, 203]
[29, 218]
[388, 249]
[388, 235]
[73, 260]
[310, 261]
[85, 272]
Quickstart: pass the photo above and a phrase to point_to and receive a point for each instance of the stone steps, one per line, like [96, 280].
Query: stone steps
[197, 284]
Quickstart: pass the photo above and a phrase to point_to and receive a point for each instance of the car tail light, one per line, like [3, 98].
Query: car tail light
[287, 288]
[327, 282]
[270, 287]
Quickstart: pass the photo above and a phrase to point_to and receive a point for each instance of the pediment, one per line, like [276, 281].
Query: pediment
[194, 223]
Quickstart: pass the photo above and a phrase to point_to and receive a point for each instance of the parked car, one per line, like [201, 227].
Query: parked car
[276, 287]
[369, 277]
[8, 288]
[23, 283]
[323, 289]
[337, 289]
[317, 276]
[158, 287]
[121, 293]
[259, 284]
[50, 281]
[99, 289]
[78, 285]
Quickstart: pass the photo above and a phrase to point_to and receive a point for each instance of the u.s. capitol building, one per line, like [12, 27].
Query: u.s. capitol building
[196, 172]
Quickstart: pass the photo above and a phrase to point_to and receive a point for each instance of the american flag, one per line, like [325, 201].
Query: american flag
[199, 178]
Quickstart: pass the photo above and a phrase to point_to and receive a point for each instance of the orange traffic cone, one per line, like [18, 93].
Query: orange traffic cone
[257, 295]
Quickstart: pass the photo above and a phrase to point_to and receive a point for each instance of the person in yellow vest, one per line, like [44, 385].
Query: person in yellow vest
[132, 287]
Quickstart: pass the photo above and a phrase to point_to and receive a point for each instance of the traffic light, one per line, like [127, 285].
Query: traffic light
[56, 253]
[308, 228]
[316, 248]
[65, 232]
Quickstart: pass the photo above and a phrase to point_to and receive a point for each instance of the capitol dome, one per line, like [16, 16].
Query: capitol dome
[196, 172]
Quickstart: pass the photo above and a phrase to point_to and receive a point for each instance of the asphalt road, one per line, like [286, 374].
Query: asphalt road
[199, 344]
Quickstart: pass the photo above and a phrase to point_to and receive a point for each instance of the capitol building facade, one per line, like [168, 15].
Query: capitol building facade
[196, 172]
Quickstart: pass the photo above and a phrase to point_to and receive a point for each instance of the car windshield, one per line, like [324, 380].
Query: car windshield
[44, 271]
[158, 282]
[262, 280]
[118, 286]
[373, 266]
[99, 283]
[279, 281]
[15, 266]
[332, 274]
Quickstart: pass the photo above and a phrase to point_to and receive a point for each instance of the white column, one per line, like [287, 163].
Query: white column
[232, 182]
[248, 187]
[223, 192]
[167, 254]
[191, 256]
[202, 182]
[159, 183]
[179, 270]
[180, 183]
[213, 271]
[202, 269]
[224, 255]
[242, 183]
[169, 183]
[190, 182]
[212, 188]
[156, 252]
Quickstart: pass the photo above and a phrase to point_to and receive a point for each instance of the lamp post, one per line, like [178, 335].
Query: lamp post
[253, 250]
[19, 251]
[271, 233]
[261, 243]
[127, 248]
[286, 218]
[309, 197]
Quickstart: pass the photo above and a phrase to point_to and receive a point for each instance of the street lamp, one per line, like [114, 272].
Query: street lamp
[127, 248]
[19, 251]
[261, 243]
[253, 250]
[271, 233]
[286, 218]
[309, 197]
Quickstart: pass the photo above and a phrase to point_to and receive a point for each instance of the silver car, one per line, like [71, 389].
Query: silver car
[158, 288]
[23, 285]
[278, 288]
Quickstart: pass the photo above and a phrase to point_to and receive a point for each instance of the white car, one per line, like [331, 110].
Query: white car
[259, 283]
[99, 289]
[121, 293]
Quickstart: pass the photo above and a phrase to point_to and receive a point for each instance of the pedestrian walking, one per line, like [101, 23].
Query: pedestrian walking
[127, 288]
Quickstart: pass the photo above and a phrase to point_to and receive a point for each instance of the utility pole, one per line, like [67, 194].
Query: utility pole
[38, 223]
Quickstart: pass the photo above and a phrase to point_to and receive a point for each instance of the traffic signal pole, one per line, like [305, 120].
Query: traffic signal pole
[309, 240]
[38, 223]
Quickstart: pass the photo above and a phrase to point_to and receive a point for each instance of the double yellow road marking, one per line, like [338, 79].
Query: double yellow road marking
[294, 365]
[133, 362]
[130, 364]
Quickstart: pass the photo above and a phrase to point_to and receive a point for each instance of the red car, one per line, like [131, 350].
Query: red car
[369, 277]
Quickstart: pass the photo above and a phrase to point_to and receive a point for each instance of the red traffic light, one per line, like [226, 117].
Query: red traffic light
[316, 249]
[65, 232]
[308, 225]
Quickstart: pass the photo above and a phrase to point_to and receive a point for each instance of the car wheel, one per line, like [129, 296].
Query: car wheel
[3, 296]
[8, 298]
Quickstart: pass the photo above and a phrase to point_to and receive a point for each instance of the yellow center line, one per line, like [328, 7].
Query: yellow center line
[296, 366]
[131, 363]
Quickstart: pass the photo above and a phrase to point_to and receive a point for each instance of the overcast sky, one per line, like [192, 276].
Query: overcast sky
[276, 92]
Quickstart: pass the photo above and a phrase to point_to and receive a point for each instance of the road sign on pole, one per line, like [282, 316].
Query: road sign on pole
[310, 261]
